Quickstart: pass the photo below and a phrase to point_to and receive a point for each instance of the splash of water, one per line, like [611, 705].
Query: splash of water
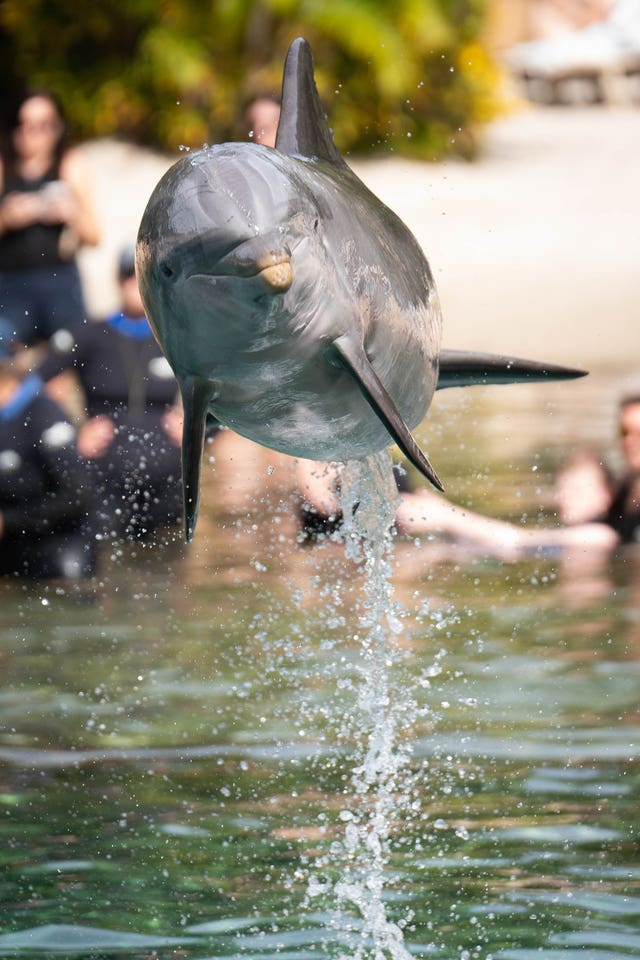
[380, 783]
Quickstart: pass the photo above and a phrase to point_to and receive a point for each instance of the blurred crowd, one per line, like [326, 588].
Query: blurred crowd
[90, 426]
[89, 429]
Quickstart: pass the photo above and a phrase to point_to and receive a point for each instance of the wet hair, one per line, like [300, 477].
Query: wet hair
[11, 121]
[269, 95]
[629, 400]
[127, 262]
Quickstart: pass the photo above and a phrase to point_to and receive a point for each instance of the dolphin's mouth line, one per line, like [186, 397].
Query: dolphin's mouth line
[277, 273]
[227, 271]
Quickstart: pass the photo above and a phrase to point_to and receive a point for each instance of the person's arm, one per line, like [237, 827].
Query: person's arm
[95, 436]
[17, 210]
[427, 512]
[319, 484]
[593, 536]
[80, 214]
[172, 424]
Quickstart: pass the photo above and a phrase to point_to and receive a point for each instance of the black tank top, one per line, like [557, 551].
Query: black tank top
[624, 521]
[36, 245]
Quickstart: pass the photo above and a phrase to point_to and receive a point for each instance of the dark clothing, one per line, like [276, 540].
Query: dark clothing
[41, 301]
[38, 244]
[43, 490]
[121, 369]
[124, 377]
[40, 290]
[624, 521]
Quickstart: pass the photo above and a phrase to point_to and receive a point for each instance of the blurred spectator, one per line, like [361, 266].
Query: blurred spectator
[261, 117]
[43, 483]
[46, 213]
[131, 437]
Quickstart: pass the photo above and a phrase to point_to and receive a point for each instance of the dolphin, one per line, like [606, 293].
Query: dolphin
[292, 304]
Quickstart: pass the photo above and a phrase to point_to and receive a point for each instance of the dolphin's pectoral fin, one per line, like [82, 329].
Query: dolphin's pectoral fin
[354, 360]
[459, 368]
[196, 395]
[303, 130]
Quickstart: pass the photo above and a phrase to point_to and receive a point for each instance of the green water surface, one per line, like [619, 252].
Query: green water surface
[174, 771]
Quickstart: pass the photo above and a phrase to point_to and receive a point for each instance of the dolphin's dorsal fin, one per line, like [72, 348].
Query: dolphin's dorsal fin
[460, 368]
[354, 359]
[303, 130]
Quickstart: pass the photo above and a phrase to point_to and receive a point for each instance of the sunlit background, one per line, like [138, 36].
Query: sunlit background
[178, 735]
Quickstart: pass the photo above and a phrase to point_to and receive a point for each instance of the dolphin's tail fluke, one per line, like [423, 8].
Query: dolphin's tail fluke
[355, 361]
[459, 368]
[196, 394]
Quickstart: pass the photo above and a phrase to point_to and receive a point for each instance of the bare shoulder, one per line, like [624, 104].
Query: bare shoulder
[74, 167]
[75, 170]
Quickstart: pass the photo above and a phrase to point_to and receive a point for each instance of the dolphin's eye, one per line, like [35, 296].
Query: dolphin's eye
[166, 270]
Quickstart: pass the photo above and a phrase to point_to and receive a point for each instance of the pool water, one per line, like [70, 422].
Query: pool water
[180, 737]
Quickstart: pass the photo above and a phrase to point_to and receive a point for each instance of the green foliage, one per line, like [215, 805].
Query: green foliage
[404, 75]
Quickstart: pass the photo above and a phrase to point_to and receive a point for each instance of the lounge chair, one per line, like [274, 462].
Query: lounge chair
[604, 56]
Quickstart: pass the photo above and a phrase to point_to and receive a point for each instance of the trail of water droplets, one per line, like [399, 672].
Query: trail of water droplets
[380, 782]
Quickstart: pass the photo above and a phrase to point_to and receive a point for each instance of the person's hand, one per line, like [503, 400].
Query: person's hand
[319, 484]
[172, 425]
[59, 205]
[95, 436]
[20, 210]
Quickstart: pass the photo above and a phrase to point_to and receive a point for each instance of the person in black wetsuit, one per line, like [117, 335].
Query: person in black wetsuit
[624, 513]
[43, 483]
[131, 437]
[46, 213]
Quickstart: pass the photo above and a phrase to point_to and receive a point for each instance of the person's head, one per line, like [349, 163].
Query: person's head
[36, 127]
[130, 299]
[629, 426]
[261, 116]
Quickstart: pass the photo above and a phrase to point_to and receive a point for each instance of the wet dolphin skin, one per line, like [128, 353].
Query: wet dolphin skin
[291, 303]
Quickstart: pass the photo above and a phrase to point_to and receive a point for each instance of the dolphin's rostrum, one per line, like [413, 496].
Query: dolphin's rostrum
[291, 303]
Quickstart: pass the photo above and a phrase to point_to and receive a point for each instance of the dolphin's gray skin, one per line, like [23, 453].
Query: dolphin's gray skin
[291, 303]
